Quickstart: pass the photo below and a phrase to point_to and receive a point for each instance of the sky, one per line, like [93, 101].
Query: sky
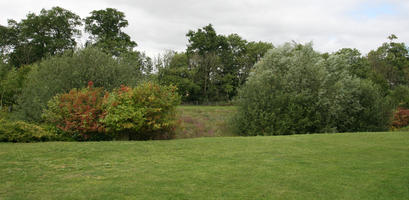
[160, 25]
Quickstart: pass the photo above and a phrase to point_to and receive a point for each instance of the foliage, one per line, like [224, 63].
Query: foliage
[400, 96]
[123, 112]
[145, 112]
[254, 51]
[78, 113]
[220, 64]
[390, 64]
[175, 71]
[203, 50]
[38, 36]
[400, 118]
[357, 64]
[105, 29]
[11, 83]
[74, 70]
[19, 131]
[138, 60]
[293, 89]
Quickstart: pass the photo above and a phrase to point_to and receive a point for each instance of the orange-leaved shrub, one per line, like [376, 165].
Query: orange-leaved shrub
[400, 118]
[141, 113]
[78, 113]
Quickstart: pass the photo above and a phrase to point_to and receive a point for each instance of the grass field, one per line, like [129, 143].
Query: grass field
[327, 166]
[204, 121]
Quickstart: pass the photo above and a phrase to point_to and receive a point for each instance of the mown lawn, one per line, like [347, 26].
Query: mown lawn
[328, 166]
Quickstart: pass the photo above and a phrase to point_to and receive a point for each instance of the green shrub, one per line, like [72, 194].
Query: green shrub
[144, 112]
[293, 90]
[124, 114]
[400, 96]
[19, 131]
[11, 83]
[59, 74]
[78, 113]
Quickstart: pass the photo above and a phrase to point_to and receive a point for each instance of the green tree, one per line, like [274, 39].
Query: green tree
[294, 89]
[74, 70]
[11, 84]
[390, 64]
[358, 65]
[221, 64]
[204, 50]
[105, 27]
[49, 33]
[254, 52]
[174, 70]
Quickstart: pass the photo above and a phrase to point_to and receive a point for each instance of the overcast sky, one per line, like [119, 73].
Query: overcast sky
[158, 25]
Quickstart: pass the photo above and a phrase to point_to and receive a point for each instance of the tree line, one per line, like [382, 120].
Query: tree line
[212, 68]
[54, 31]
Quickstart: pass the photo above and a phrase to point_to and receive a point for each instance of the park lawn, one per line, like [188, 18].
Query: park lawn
[318, 166]
[204, 121]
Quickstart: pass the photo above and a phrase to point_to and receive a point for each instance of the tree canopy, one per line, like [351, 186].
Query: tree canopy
[105, 27]
[49, 33]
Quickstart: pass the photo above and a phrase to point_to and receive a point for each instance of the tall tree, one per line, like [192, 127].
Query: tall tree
[221, 63]
[204, 50]
[254, 52]
[390, 64]
[358, 64]
[105, 27]
[173, 69]
[49, 33]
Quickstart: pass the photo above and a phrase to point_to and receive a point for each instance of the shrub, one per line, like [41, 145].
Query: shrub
[400, 118]
[19, 131]
[400, 96]
[11, 83]
[293, 90]
[59, 74]
[78, 113]
[145, 112]
[123, 113]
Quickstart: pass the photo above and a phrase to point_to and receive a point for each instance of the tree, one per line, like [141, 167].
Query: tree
[49, 33]
[390, 64]
[11, 84]
[221, 64]
[105, 27]
[254, 52]
[173, 69]
[358, 65]
[294, 90]
[59, 74]
[204, 50]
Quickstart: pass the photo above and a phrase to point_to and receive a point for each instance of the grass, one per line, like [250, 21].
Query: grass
[320, 166]
[204, 121]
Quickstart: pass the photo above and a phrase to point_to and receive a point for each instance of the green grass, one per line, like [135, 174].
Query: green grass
[327, 166]
[204, 121]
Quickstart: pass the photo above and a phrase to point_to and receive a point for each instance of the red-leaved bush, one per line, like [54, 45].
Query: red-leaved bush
[141, 113]
[400, 118]
[79, 112]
